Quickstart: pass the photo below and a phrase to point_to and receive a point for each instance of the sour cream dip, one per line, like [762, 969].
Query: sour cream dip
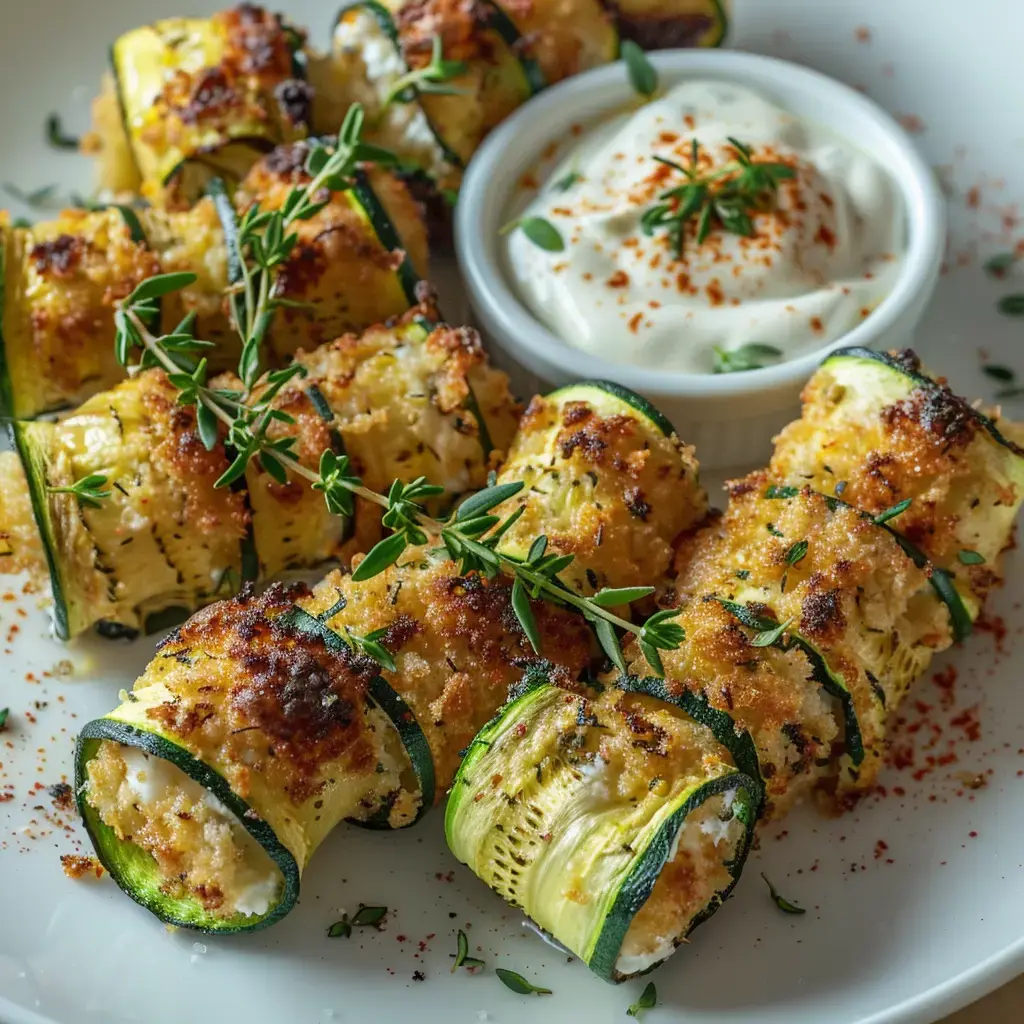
[824, 245]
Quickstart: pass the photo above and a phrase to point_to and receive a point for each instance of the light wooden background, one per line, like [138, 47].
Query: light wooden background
[1003, 1007]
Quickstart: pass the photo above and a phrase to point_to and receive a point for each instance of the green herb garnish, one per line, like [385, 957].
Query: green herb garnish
[742, 574]
[647, 1001]
[777, 491]
[752, 356]
[642, 75]
[57, 137]
[541, 232]
[462, 957]
[893, 511]
[774, 530]
[1000, 373]
[364, 917]
[4, 713]
[971, 558]
[780, 901]
[567, 181]
[999, 264]
[797, 552]
[519, 984]
[87, 490]
[432, 78]
[767, 637]
[725, 198]
[1011, 305]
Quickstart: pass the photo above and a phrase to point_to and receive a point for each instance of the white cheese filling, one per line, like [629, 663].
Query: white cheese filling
[152, 779]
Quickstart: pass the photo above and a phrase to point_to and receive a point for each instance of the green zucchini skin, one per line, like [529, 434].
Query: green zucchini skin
[506, 29]
[387, 25]
[960, 621]
[820, 671]
[401, 715]
[636, 890]
[736, 740]
[35, 475]
[128, 863]
[646, 409]
[642, 875]
[904, 367]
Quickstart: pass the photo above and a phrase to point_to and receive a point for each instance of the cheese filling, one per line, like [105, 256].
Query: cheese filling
[376, 65]
[707, 840]
[198, 844]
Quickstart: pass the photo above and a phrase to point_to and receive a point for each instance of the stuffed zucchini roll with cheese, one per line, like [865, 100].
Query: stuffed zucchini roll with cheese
[155, 534]
[434, 78]
[669, 24]
[606, 479]
[61, 281]
[615, 820]
[891, 441]
[852, 602]
[257, 729]
[194, 98]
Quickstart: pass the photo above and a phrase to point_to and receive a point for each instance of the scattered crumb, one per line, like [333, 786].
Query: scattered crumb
[77, 866]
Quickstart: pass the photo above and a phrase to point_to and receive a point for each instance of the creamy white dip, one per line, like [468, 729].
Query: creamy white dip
[823, 254]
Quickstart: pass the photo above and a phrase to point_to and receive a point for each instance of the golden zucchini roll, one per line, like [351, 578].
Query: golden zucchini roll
[889, 440]
[403, 400]
[607, 480]
[257, 729]
[853, 603]
[157, 538]
[357, 262]
[381, 51]
[61, 282]
[669, 24]
[779, 695]
[615, 821]
[198, 98]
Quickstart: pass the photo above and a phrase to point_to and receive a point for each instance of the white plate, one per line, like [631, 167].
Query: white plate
[903, 941]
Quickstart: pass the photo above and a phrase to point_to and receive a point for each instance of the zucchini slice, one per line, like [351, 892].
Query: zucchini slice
[671, 24]
[590, 813]
[555, 42]
[163, 539]
[375, 44]
[57, 327]
[203, 97]
[356, 262]
[605, 479]
[256, 722]
[881, 432]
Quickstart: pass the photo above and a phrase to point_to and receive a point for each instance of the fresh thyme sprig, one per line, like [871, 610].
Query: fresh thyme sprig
[87, 490]
[470, 536]
[725, 197]
[433, 78]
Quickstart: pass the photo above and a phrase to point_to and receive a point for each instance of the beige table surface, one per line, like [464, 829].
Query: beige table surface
[1005, 1006]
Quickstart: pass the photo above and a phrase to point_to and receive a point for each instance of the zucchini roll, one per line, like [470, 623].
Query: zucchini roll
[605, 479]
[357, 263]
[893, 442]
[668, 24]
[382, 49]
[61, 280]
[257, 729]
[857, 607]
[615, 820]
[399, 399]
[198, 98]
[162, 537]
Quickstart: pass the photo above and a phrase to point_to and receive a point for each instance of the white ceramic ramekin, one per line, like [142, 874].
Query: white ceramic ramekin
[731, 418]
